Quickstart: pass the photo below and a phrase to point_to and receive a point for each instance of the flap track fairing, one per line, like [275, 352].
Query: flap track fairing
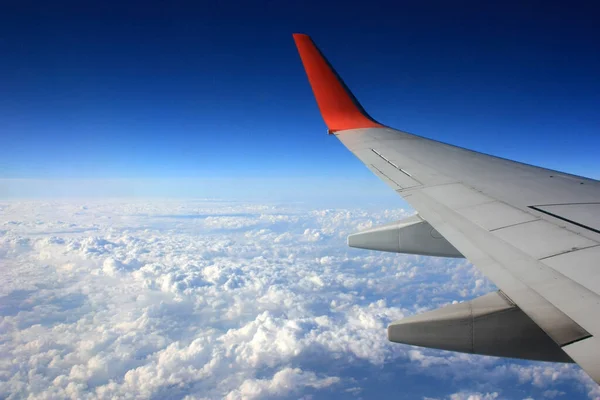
[412, 235]
[489, 325]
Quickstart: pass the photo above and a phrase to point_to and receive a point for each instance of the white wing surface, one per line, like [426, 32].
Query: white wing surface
[534, 232]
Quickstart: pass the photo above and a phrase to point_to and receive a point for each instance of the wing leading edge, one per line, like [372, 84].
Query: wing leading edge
[534, 232]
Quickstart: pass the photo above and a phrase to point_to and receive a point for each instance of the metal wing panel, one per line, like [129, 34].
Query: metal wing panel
[539, 254]
[389, 171]
[519, 185]
[581, 266]
[541, 239]
[496, 215]
[506, 266]
[586, 215]
[502, 236]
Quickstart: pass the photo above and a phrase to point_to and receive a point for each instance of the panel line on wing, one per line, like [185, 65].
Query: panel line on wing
[515, 224]
[385, 176]
[391, 163]
[537, 208]
[569, 251]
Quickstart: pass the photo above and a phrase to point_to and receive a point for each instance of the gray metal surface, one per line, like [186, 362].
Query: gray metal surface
[585, 215]
[489, 325]
[411, 235]
[534, 232]
[544, 260]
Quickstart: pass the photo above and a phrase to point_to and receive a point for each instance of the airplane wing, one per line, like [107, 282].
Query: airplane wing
[534, 232]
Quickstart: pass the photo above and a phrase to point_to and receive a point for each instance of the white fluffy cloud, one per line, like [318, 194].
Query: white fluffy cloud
[474, 396]
[199, 299]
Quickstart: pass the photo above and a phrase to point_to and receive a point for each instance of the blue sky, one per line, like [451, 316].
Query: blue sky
[215, 90]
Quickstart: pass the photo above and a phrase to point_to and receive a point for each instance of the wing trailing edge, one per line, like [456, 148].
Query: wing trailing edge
[339, 108]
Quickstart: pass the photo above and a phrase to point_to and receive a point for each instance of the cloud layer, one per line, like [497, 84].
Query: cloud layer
[201, 299]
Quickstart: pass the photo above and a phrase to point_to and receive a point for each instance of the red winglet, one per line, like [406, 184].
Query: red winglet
[338, 106]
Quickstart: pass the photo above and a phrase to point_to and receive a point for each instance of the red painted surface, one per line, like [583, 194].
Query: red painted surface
[339, 108]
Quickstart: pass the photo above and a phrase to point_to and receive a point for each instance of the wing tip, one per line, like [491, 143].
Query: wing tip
[339, 108]
[299, 35]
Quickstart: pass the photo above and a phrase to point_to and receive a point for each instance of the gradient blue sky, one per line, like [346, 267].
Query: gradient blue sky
[151, 91]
